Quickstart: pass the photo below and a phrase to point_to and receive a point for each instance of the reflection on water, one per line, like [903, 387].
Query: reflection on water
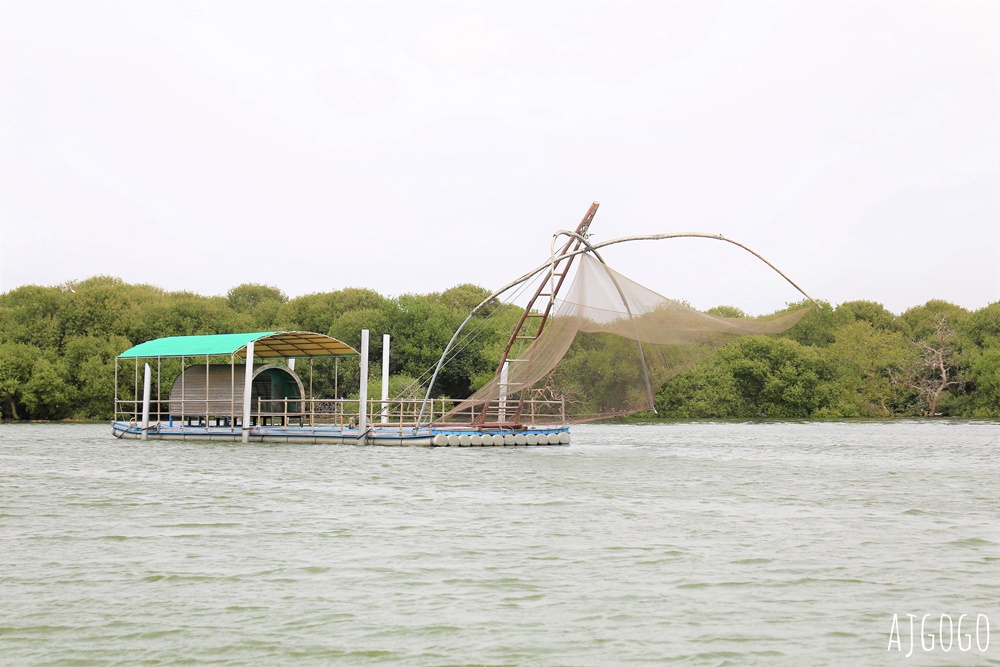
[700, 544]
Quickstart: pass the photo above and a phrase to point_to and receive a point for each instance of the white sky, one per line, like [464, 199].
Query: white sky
[411, 146]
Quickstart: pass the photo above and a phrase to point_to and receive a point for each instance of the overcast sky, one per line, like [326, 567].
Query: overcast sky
[412, 146]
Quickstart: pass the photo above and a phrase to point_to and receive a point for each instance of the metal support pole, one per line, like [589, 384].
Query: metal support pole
[363, 394]
[135, 391]
[247, 386]
[147, 377]
[183, 404]
[208, 389]
[232, 393]
[385, 378]
[502, 412]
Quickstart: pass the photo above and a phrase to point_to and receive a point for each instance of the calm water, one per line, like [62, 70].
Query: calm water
[694, 544]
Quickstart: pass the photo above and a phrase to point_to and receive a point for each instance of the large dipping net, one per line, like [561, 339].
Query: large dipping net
[606, 347]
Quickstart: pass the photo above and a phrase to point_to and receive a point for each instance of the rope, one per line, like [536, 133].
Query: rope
[466, 341]
[592, 248]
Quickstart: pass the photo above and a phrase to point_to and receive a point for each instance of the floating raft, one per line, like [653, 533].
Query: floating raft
[434, 437]
[241, 401]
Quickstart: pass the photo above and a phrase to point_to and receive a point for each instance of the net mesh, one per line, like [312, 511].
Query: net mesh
[608, 344]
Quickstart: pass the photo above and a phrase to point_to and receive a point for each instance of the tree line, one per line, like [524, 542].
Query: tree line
[855, 360]
[58, 347]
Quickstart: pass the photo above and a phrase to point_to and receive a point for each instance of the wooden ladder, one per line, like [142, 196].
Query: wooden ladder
[532, 322]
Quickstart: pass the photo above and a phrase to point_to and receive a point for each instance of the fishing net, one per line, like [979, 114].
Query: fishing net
[607, 346]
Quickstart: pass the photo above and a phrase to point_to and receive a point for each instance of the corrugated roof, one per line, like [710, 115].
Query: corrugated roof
[267, 344]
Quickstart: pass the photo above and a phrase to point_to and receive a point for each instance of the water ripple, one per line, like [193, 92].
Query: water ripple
[691, 544]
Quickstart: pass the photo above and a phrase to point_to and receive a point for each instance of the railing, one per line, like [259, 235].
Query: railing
[126, 409]
[191, 411]
[532, 411]
[344, 412]
[398, 414]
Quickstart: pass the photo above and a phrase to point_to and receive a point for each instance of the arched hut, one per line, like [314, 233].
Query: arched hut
[216, 391]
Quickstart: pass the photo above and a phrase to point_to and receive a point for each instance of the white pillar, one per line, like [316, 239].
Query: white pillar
[247, 386]
[363, 397]
[146, 381]
[502, 389]
[291, 363]
[385, 378]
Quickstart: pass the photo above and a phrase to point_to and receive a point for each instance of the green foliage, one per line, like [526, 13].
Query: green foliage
[873, 313]
[777, 377]
[91, 365]
[463, 298]
[16, 363]
[726, 311]
[33, 315]
[421, 327]
[921, 322]
[707, 390]
[933, 371]
[857, 360]
[248, 297]
[58, 347]
[818, 328]
[864, 355]
[318, 312]
[186, 314]
[400, 386]
[753, 377]
[259, 306]
[984, 375]
[491, 337]
[48, 393]
[981, 355]
[312, 312]
[101, 306]
[611, 359]
[982, 328]
[348, 328]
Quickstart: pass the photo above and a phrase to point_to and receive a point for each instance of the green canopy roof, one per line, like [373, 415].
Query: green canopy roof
[267, 344]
